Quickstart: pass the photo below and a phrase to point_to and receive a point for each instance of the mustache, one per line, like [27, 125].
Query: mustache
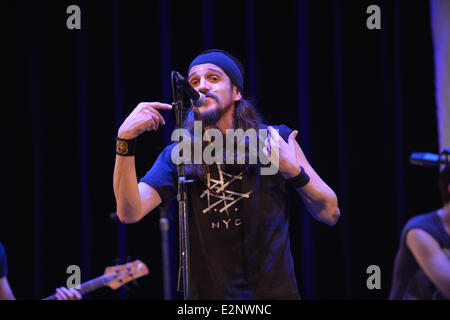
[211, 95]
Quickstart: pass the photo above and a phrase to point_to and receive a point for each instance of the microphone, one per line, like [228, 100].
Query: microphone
[197, 98]
[426, 159]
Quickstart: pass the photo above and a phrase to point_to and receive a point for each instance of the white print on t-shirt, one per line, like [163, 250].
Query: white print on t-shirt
[222, 199]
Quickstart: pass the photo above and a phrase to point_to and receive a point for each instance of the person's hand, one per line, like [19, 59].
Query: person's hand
[145, 117]
[281, 153]
[63, 293]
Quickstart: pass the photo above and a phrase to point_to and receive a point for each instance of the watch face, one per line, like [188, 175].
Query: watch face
[122, 147]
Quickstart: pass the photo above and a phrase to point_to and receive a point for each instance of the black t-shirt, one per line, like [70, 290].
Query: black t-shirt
[239, 230]
[409, 281]
[3, 262]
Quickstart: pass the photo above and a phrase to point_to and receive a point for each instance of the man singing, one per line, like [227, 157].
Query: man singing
[238, 217]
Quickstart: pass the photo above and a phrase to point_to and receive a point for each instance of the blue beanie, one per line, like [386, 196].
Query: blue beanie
[226, 62]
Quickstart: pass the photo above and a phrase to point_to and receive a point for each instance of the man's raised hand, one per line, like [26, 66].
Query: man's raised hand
[145, 117]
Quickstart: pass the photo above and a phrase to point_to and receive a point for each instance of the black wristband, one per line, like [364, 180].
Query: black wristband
[299, 180]
[125, 147]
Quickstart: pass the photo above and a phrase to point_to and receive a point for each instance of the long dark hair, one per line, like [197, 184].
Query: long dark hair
[245, 117]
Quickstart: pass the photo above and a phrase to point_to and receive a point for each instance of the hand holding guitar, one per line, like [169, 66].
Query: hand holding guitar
[64, 293]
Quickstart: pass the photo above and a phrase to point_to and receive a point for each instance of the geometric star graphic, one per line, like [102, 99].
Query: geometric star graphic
[216, 190]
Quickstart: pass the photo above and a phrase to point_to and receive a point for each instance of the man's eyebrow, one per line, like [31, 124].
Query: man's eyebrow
[210, 69]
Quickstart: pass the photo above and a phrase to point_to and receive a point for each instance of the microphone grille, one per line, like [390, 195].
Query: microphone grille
[200, 101]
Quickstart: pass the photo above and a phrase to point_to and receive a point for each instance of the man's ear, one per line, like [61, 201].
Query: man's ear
[236, 94]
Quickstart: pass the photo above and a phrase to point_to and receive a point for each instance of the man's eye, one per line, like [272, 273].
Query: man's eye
[214, 78]
[194, 83]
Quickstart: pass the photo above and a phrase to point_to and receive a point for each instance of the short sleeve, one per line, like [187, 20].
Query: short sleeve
[163, 175]
[285, 131]
[425, 222]
[3, 262]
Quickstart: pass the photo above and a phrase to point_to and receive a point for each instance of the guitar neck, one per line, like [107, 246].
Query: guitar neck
[90, 285]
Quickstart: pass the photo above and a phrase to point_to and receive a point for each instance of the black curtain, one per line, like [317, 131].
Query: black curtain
[362, 100]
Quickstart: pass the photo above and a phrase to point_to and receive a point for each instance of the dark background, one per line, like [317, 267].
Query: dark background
[362, 100]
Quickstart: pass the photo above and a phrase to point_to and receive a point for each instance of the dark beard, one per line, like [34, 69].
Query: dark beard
[210, 118]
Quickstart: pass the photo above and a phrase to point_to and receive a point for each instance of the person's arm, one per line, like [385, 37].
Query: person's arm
[318, 197]
[135, 200]
[431, 258]
[5, 290]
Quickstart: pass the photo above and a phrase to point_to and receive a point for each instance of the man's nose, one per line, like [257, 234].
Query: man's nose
[203, 86]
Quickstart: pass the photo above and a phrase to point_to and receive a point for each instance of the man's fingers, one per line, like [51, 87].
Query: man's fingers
[59, 295]
[150, 109]
[63, 293]
[292, 137]
[67, 292]
[274, 133]
[266, 152]
[154, 122]
[273, 142]
[161, 119]
[158, 105]
[267, 145]
[76, 294]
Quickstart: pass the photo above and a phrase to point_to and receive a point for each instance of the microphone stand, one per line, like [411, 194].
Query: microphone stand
[184, 268]
[166, 250]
